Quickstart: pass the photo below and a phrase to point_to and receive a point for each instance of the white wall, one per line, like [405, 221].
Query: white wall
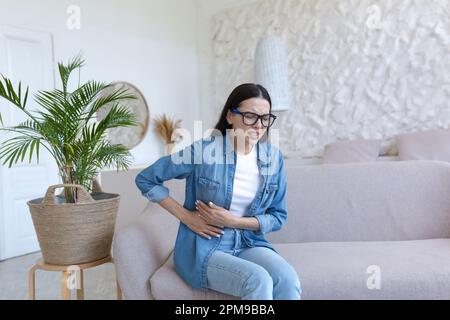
[348, 81]
[150, 43]
[210, 109]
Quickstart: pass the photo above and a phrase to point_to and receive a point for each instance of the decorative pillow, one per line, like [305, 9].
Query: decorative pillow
[425, 145]
[362, 150]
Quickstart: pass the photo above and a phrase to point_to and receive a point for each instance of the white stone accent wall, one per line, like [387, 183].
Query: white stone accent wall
[348, 80]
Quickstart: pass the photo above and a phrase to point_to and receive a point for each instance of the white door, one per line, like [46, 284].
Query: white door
[27, 56]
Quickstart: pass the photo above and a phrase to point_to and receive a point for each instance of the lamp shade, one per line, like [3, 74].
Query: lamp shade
[271, 71]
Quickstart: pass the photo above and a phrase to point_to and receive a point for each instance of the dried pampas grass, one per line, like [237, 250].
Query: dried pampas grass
[165, 127]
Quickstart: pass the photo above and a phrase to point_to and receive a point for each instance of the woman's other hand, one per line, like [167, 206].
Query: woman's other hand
[196, 223]
[214, 215]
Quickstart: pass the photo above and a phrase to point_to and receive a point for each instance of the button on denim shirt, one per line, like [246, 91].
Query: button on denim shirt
[209, 165]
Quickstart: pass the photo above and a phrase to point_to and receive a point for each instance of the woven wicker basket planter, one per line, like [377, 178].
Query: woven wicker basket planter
[74, 233]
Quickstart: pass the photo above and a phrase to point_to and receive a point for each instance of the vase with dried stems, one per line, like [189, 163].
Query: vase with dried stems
[166, 128]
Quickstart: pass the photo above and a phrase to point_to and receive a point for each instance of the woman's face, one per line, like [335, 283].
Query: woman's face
[254, 132]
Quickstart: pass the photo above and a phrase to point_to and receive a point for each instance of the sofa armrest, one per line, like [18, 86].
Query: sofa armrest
[140, 248]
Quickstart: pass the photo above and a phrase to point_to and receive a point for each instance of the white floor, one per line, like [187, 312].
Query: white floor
[99, 282]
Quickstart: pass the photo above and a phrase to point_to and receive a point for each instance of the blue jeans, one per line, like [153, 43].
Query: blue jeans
[251, 273]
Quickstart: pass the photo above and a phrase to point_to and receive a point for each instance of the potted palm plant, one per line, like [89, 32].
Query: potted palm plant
[78, 225]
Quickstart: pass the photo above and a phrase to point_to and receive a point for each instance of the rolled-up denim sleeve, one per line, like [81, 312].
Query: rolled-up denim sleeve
[276, 214]
[179, 166]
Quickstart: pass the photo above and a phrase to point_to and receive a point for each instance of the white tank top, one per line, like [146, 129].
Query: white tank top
[247, 181]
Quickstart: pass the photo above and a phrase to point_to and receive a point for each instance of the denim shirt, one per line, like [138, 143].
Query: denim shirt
[208, 165]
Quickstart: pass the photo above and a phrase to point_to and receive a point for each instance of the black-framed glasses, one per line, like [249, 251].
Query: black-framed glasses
[250, 118]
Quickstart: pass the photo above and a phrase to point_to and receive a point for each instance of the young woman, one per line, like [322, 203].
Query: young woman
[235, 193]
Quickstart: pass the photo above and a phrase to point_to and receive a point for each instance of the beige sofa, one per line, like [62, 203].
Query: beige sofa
[354, 231]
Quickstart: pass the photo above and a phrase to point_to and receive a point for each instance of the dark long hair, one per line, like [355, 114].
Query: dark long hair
[240, 93]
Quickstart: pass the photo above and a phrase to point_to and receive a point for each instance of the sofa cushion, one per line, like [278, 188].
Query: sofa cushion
[166, 284]
[424, 145]
[418, 269]
[344, 151]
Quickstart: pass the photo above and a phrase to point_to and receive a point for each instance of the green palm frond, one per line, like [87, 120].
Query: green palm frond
[113, 155]
[84, 96]
[52, 101]
[118, 116]
[66, 69]
[7, 91]
[16, 149]
[117, 96]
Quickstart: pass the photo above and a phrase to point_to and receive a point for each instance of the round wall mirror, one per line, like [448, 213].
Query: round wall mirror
[128, 136]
